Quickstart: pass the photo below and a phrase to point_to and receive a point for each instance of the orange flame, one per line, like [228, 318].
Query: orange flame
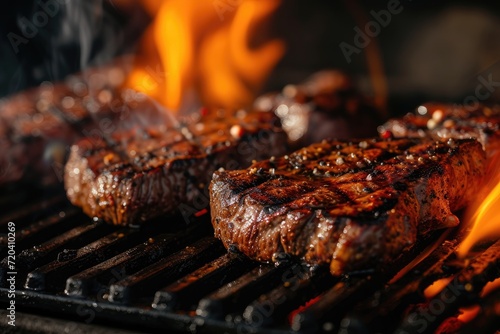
[207, 52]
[484, 213]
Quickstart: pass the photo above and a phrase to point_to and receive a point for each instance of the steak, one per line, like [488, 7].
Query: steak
[38, 126]
[146, 171]
[351, 205]
[442, 121]
[325, 105]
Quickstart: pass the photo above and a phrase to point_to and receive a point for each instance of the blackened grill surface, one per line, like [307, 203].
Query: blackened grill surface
[166, 277]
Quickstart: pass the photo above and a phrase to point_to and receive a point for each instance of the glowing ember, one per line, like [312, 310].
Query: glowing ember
[302, 308]
[469, 313]
[206, 52]
[466, 314]
[432, 290]
[484, 214]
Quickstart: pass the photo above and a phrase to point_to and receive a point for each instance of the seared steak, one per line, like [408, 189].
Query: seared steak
[352, 205]
[439, 121]
[143, 172]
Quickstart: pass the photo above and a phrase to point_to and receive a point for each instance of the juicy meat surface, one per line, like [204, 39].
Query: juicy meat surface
[352, 205]
[144, 172]
[441, 121]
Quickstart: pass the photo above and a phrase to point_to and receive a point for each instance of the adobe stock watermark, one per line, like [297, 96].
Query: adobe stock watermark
[39, 19]
[222, 7]
[428, 316]
[487, 83]
[372, 29]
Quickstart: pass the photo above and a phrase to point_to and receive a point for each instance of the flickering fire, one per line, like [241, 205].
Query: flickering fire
[466, 314]
[214, 53]
[484, 213]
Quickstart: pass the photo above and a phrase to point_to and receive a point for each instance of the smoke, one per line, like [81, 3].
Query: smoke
[46, 40]
[92, 29]
[99, 29]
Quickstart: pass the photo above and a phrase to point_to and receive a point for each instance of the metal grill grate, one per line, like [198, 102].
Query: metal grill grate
[169, 276]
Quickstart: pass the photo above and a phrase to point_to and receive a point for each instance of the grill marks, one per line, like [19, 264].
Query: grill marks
[323, 181]
[319, 174]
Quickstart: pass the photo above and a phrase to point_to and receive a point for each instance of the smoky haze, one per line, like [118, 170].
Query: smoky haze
[46, 40]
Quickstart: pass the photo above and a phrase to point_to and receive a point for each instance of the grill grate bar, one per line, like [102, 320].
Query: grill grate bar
[52, 276]
[332, 305]
[299, 285]
[461, 291]
[342, 293]
[234, 296]
[31, 258]
[392, 301]
[128, 262]
[45, 228]
[158, 274]
[185, 293]
[147, 281]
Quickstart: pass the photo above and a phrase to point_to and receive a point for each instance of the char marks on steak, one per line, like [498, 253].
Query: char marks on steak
[440, 121]
[147, 171]
[352, 205]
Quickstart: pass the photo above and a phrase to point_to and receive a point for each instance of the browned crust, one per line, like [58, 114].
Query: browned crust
[364, 212]
[148, 172]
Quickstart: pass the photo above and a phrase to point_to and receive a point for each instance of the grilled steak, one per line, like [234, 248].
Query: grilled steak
[141, 173]
[450, 121]
[38, 126]
[325, 105]
[351, 205]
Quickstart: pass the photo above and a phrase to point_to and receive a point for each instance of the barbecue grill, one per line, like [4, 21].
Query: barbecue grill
[166, 276]
[79, 275]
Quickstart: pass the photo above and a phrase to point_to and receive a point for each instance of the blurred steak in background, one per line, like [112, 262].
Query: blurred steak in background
[443, 121]
[38, 126]
[326, 105]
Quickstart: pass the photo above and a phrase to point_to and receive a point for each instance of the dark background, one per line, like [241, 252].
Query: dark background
[432, 50]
